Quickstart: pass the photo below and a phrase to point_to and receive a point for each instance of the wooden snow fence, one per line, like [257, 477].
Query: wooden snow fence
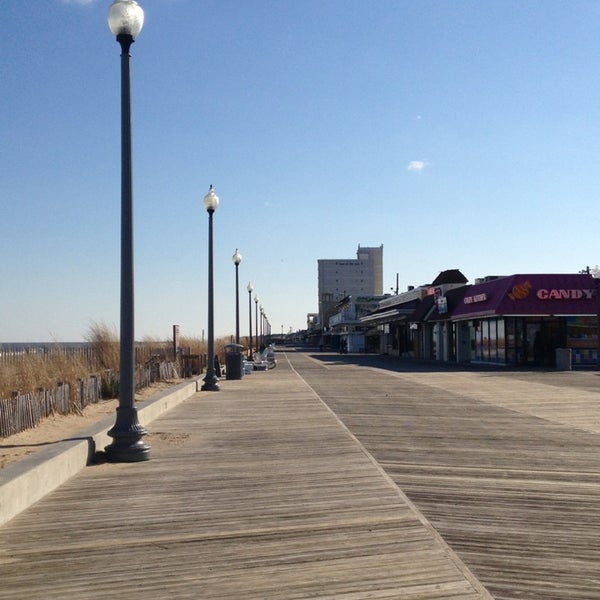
[25, 411]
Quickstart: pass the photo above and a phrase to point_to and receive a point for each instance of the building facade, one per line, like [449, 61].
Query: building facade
[397, 318]
[347, 332]
[523, 319]
[340, 278]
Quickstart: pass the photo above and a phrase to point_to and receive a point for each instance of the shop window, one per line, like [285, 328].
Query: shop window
[493, 341]
[479, 340]
[501, 340]
[511, 341]
[581, 334]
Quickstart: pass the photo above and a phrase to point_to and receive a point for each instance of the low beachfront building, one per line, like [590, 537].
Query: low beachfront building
[348, 332]
[402, 320]
[525, 319]
[389, 324]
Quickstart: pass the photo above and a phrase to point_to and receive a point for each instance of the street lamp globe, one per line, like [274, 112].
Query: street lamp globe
[125, 17]
[236, 258]
[211, 200]
[249, 288]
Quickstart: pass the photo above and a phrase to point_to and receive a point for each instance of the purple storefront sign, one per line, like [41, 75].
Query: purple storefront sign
[530, 295]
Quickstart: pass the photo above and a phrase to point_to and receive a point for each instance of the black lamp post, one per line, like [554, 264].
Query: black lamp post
[595, 272]
[125, 19]
[266, 329]
[256, 301]
[249, 288]
[211, 201]
[262, 325]
[237, 259]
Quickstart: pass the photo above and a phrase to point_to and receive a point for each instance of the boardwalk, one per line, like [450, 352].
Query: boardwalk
[506, 466]
[254, 492]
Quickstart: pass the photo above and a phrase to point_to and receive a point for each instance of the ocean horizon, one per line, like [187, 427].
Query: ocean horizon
[24, 345]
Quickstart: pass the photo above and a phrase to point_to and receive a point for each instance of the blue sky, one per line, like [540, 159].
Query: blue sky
[457, 133]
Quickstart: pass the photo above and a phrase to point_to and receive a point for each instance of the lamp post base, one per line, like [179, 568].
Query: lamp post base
[210, 382]
[127, 434]
[210, 385]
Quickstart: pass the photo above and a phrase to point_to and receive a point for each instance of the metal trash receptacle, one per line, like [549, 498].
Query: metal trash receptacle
[233, 361]
[563, 359]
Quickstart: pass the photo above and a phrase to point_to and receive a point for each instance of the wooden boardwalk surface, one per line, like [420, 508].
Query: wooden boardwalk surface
[506, 466]
[253, 492]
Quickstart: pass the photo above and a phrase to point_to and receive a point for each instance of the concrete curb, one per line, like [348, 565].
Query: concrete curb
[24, 483]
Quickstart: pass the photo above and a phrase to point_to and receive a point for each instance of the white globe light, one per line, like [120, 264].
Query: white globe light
[125, 17]
[211, 200]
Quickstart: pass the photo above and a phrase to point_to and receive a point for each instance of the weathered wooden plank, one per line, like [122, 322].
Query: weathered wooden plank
[253, 492]
[505, 466]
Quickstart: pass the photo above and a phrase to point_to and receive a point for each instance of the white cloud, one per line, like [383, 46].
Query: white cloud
[416, 165]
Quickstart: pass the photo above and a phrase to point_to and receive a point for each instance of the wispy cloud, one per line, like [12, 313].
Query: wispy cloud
[416, 165]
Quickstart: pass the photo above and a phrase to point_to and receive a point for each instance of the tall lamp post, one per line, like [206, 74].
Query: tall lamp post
[595, 272]
[262, 325]
[237, 259]
[256, 301]
[211, 201]
[125, 19]
[249, 288]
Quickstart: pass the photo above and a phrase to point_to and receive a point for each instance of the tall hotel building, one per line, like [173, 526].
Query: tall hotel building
[339, 278]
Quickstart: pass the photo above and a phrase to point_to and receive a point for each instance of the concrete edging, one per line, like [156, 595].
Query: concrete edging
[29, 480]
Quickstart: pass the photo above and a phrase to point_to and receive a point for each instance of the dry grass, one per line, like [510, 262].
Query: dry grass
[105, 343]
[35, 371]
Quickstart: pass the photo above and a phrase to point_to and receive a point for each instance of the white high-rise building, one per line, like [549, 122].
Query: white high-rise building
[339, 278]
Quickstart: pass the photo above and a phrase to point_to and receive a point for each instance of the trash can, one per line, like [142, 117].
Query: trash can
[563, 359]
[233, 361]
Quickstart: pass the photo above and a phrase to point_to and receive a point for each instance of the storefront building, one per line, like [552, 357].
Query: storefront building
[438, 338]
[524, 319]
[347, 331]
[389, 324]
[401, 321]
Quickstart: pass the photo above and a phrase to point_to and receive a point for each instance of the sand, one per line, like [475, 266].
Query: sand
[60, 427]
